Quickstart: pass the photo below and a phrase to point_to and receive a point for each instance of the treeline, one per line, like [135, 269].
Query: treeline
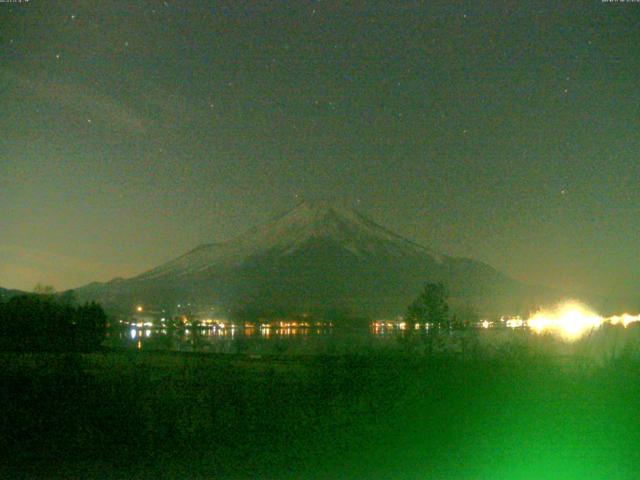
[49, 323]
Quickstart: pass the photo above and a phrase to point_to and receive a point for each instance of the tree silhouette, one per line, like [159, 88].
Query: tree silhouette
[90, 324]
[44, 323]
[68, 298]
[42, 289]
[430, 307]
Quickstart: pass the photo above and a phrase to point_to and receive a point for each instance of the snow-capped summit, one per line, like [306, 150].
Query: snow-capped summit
[317, 257]
[308, 222]
[345, 226]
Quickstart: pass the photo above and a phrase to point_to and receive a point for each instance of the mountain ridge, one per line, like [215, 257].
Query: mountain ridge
[8, 293]
[289, 230]
[316, 257]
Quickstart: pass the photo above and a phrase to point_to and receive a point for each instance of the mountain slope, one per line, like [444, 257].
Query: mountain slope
[316, 258]
[6, 294]
[288, 233]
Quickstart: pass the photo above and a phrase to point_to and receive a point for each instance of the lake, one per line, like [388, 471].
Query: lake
[256, 340]
[598, 344]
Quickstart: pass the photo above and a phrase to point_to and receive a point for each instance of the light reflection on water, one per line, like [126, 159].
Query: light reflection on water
[259, 340]
[264, 339]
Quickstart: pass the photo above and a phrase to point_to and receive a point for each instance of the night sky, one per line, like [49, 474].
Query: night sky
[133, 131]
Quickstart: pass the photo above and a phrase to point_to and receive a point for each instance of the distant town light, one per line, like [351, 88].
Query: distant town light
[514, 323]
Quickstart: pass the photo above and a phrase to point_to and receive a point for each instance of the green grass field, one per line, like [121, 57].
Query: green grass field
[511, 415]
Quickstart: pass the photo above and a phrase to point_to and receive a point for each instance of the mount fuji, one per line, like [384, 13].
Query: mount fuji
[318, 258]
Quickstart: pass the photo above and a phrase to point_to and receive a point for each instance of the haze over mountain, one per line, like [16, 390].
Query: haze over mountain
[319, 258]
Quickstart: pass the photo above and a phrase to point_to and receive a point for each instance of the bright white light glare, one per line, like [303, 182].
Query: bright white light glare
[572, 320]
[625, 319]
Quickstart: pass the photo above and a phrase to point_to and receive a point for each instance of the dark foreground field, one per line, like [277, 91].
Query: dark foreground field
[164, 415]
